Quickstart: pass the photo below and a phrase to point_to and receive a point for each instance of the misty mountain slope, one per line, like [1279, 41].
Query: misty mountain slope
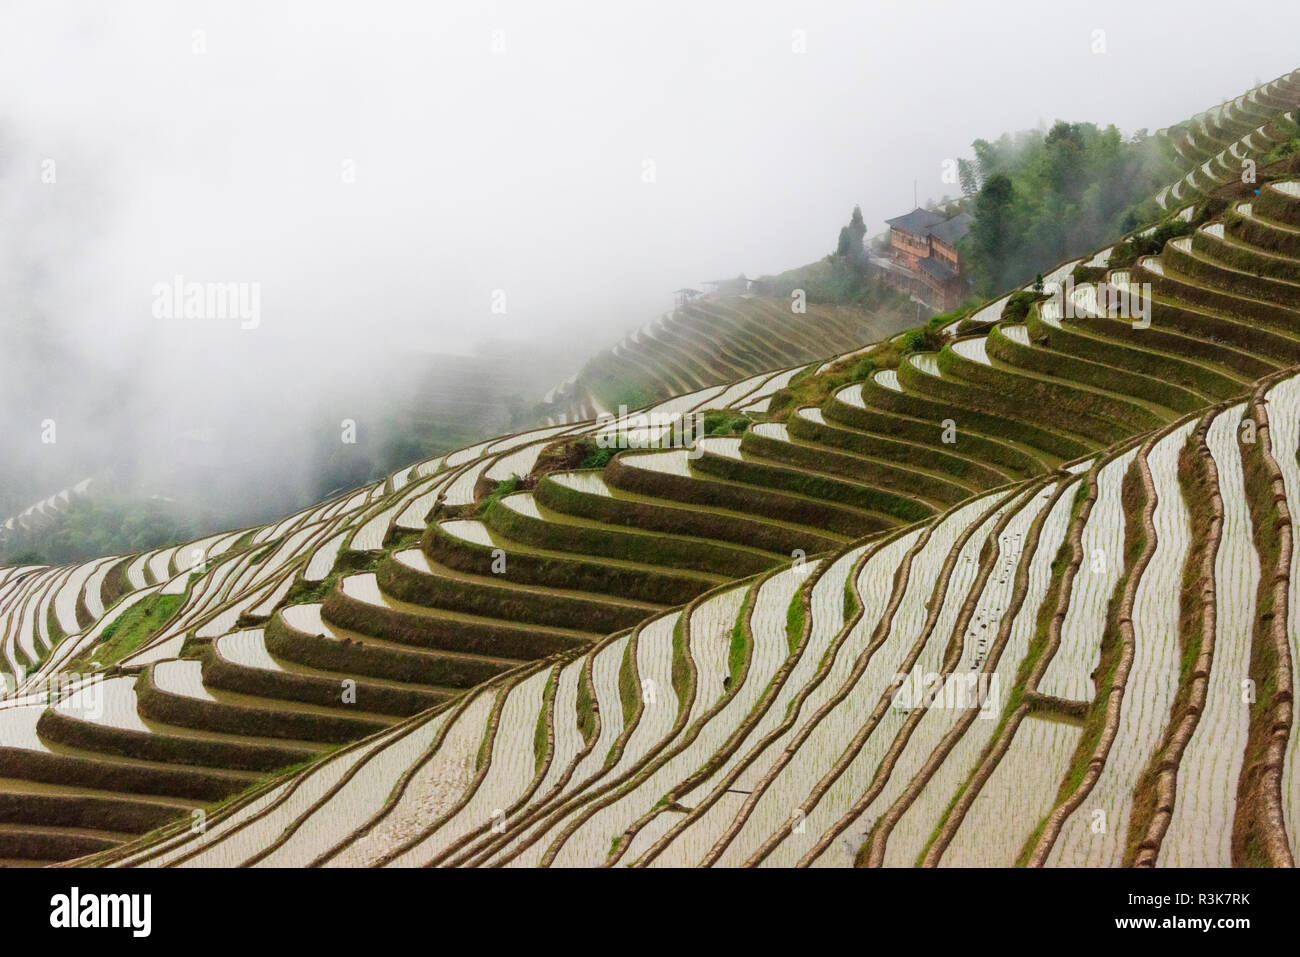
[545, 652]
[195, 480]
[160, 713]
[578, 602]
[720, 336]
[43, 512]
[714, 339]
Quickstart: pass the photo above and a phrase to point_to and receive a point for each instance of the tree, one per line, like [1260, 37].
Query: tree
[968, 176]
[991, 230]
[856, 224]
[852, 236]
[1046, 196]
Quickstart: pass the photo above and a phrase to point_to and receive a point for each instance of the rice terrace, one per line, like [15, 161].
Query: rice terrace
[969, 544]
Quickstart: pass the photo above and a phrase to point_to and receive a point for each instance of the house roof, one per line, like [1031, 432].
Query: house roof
[935, 268]
[917, 222]
[953, 230]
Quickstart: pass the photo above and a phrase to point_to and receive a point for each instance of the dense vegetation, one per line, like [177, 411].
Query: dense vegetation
[108, 524]
[1038, 199]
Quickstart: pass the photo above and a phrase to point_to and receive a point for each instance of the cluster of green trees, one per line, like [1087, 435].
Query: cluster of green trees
[95, 525]
[1040, 198]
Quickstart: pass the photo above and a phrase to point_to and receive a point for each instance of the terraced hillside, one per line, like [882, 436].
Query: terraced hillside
[759, 650]
[141, 687]
[781, 719]
[1215, 147]
[709, 341]
[36, 516]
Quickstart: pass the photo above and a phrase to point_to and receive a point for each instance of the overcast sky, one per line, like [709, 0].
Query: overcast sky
[504, 146]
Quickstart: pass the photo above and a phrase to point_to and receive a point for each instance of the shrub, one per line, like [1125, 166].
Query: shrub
[1018, 303]
[576, 453]
[725, 423]
[501, 490]
[1135, 247]
[596, 458]
[926, 339]
[862, 369]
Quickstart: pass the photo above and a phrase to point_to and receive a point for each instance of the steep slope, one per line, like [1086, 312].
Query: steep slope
[784, 719]
[1217, 146]
[713, 340]
[42, 513]
[721, 654]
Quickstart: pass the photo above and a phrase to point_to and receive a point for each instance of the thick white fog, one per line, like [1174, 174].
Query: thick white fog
[379, 170]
